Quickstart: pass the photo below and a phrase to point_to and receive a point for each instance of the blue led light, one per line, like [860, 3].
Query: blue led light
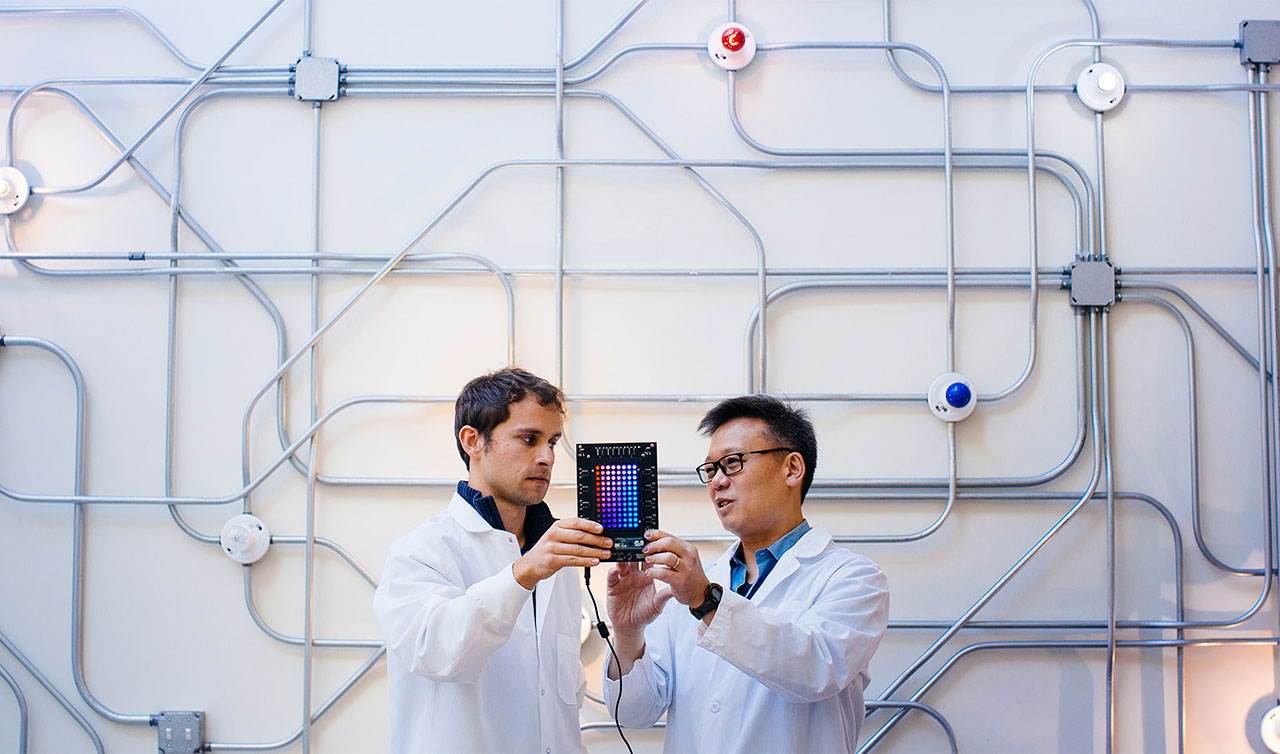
[958, 394]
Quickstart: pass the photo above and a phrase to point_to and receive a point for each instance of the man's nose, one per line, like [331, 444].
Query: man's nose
[719, 480]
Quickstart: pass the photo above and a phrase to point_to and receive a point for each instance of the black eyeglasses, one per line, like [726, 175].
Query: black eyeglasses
[731, 464]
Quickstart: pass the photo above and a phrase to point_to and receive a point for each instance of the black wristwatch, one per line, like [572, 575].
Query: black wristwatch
[710, 602]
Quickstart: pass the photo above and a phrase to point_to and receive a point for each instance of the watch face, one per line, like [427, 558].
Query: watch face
[710, 602]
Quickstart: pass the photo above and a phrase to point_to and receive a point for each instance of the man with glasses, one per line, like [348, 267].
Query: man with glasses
[767, 648]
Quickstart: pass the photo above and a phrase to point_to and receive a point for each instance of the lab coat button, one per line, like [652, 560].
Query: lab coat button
[543, 692]
[715, 706]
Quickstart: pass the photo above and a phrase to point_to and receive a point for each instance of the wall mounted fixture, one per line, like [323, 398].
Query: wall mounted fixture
[14, 190]
[1100, 87]
[1271, 729]
[245, 538]
[731, 46]
[952, 397]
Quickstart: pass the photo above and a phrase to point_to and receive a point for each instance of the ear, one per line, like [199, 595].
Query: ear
[795, 469]
[472, 441]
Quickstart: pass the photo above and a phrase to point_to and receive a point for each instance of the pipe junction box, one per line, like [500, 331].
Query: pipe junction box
[1092, 282]
[316, 79]
[180, 732]
[1259, 42]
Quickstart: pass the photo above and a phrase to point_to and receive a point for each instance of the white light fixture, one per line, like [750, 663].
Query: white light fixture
[952, 397]
[1271, 729]
[731, 46]
[14, 190]
[245, 538]
[1100, 87]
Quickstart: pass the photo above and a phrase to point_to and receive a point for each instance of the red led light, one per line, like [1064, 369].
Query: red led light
[733, 39]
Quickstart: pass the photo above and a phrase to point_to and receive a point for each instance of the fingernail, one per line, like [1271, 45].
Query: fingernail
[595, 562]
[610, 545]
[648, 534]
[644, 549]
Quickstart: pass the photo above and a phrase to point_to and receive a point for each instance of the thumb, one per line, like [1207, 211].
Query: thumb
[662, 598]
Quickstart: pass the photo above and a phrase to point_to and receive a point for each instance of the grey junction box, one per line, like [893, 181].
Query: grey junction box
[180, 732]
[1259, 42]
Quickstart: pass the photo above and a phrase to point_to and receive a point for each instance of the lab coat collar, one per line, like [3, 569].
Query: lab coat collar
[467, 517]
[809, 546]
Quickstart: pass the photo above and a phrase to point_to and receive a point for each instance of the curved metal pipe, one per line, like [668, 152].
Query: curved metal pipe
[23, 716]
[1098, 458]
[930, 711]
[1194, 442]
[908, 79]
[328, 703]
[40, 190]
[62, 701]
[77, 536]
[1065, 644]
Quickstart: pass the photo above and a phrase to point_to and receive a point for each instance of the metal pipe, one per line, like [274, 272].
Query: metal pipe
[40, 190]
[252, 287]
[77, 547]
[308, 20]
[761, 383]
[1104, 397]
[909, 79]
[1065, 645]
[296, 641]
[559, 142]
[1265, 310]
[309, 596]
[62, 701]
[333, 698]
[937, 645]
[22, 708]
[1194, 437]
[133, 15]
[930, 711]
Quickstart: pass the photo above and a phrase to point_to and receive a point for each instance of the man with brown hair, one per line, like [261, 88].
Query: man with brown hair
[482, 623]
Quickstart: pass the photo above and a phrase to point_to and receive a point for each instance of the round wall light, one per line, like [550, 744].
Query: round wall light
[731, 46]
[14, 190]
[952, 397]
[245, 538]
[1100, 87]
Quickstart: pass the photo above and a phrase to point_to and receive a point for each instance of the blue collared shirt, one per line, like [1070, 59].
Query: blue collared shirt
[766, 559]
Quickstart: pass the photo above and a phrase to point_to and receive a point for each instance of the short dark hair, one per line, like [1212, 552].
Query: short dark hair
[485, 402]
[785, 426]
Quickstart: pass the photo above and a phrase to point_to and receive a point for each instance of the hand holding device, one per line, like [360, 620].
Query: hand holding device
[676, 563]
[569, 542]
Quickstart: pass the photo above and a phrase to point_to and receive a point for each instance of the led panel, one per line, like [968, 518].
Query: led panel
[618, 487]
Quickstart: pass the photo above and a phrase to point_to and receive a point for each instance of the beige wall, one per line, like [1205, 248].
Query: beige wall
[166, 627]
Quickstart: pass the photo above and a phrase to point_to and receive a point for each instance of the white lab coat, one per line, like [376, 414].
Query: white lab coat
[781, 672]
[467, 670]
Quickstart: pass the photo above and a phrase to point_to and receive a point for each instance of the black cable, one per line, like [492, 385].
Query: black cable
[604, 634]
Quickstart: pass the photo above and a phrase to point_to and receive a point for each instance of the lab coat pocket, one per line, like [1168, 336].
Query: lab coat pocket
[569, 675]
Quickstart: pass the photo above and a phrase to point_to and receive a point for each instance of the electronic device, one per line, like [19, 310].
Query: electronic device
[618, 488]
